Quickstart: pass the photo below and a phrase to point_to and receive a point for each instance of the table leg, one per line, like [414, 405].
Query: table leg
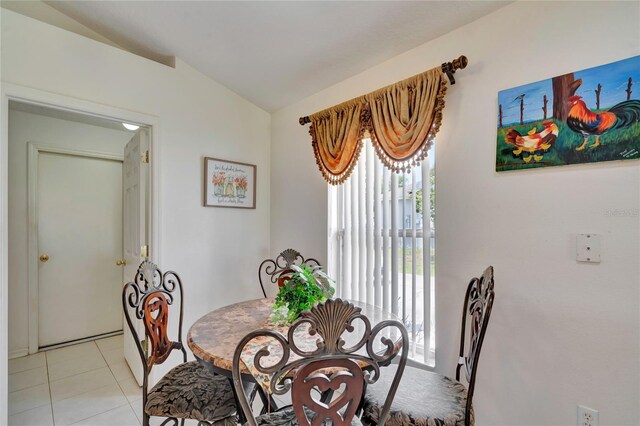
[268, 403]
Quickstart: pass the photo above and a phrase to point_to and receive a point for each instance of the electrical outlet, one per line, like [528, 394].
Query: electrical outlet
[587, 416]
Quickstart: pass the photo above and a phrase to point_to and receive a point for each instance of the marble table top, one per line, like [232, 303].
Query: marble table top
[214, 337]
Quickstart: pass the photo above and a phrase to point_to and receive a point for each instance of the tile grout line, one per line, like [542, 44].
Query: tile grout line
[77, 374]
[135, 413]
[119, 385]
[31, 386]
[106, 411]
[97, 414]
[83, 372]
[70, 347]
[48, 383]
[29, 369]
[46, 363]
[61, 378]
[24, 371]
[29, 409]
[118, 382]
[134, 410]
[78, 394]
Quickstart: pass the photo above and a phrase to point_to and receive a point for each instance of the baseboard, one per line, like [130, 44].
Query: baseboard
[18, 353]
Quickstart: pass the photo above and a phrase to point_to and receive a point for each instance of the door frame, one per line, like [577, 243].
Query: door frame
[33, 247]
[14, 92]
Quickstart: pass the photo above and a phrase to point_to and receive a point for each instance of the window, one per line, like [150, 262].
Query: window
[381, 245]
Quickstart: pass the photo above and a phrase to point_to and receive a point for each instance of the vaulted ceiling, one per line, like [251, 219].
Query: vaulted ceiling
[275, 53]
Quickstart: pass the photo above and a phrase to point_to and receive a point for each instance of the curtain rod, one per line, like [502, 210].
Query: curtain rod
[449, 68]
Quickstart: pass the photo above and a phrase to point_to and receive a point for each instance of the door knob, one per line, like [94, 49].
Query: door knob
[44, 258]
[121, 262]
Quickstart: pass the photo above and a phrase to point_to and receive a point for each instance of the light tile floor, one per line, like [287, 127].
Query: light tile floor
[85, 384]
[89, 384]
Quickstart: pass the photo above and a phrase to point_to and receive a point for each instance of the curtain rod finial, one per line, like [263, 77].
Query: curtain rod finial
[460, 63]
[450, 68]
[304, 120]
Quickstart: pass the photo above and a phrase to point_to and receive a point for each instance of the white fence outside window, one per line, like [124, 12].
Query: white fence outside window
[378, 221]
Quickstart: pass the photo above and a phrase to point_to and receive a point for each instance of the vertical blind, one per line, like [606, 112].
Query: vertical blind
[381, 243]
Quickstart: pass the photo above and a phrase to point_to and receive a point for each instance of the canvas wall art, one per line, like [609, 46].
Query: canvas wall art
[229, 184]
[581, 117]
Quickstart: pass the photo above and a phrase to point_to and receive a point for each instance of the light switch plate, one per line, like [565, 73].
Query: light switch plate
[588, 248]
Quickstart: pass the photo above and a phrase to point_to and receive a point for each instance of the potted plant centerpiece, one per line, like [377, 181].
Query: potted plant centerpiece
[301, 287]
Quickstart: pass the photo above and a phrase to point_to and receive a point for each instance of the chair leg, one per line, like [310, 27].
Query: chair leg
[241, 417]
[182, 422]
[145, 419]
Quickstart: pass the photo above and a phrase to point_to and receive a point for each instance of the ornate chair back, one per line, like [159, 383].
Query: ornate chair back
[276, 270]
[331, 366]
[149, 296]
[478, 303]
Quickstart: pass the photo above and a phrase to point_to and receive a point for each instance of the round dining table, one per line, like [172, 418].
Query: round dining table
[214, 337]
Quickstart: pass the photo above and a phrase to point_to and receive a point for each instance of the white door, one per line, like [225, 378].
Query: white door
[79, 239]
[135, 232]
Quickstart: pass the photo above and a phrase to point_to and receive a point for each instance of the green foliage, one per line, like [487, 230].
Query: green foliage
[432, 197]
[432, 194]
[304, 287]
[612, 144]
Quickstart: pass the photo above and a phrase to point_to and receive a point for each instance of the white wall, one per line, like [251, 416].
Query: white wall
[23, 128]
[216, 251]
[562, 333]
[44, 12]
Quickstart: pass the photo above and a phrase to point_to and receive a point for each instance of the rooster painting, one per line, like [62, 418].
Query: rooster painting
[588, 123]
[583, 116]
[533, 143]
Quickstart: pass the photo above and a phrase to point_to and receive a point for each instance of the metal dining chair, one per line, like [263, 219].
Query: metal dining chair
[426, 398]
[333, 365]
[275, 270]
[188, 391]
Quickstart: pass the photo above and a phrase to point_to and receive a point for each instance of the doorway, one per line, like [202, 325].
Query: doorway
[11, 93]
[67, 225]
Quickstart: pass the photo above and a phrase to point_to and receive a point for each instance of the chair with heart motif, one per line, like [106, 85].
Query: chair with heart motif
[335, 364]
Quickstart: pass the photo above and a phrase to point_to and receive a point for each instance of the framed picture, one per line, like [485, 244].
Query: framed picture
[582, 117]
[229, 184]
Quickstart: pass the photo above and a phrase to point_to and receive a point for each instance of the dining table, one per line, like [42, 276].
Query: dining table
[213, 338]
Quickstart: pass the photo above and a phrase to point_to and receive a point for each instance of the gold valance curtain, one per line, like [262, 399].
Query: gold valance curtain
[401, 120]
[337, 139]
